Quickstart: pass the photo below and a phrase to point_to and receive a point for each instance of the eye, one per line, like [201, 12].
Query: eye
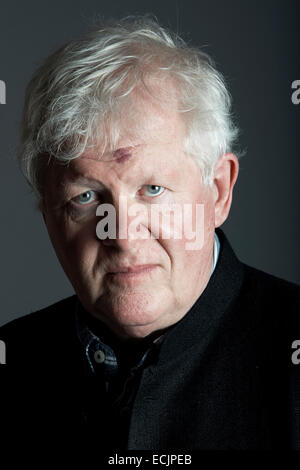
[153, 190]
[85, 198]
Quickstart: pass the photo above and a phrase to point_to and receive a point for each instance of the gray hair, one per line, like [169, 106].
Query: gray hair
[72, 100]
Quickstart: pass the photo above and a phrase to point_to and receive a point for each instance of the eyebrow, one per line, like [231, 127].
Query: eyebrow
[81, 180]
[120, 155]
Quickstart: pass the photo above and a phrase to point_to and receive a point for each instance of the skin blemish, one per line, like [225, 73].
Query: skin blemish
[121, 155]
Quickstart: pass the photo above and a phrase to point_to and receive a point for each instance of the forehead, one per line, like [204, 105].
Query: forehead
[149, 137]
[130, 163]
[143, 121]
[150, 143]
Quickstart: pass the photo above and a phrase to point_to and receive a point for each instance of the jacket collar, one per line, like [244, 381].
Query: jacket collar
[199, 325]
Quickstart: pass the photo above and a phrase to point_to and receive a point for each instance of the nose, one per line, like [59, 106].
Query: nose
[125, 226]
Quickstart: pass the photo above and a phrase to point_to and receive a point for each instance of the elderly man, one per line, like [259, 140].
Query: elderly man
[170, 341]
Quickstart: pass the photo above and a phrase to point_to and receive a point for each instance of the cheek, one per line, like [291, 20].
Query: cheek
[177, 221]
[82, 253]
[190, 253]
[189, 226]
[181, 260]
[75, 245]
[180, 256]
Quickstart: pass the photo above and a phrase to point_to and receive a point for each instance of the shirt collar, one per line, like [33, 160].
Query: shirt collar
[216, 252]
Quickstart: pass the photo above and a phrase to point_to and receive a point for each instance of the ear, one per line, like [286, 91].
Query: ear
[225, 175]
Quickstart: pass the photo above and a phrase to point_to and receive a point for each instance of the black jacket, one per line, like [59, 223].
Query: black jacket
[223, 378]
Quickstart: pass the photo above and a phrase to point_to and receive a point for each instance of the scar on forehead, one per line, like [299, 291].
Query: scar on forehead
[120, 155]
[123, 154]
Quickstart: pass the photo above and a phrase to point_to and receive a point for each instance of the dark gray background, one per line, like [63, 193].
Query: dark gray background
[256, 46]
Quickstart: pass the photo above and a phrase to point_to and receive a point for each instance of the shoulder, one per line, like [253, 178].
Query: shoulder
[42, 329]
[257, 289]
[266, 285]
[276, 300]
[41, 319]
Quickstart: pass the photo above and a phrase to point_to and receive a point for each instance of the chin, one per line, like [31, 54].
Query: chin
[132, 311]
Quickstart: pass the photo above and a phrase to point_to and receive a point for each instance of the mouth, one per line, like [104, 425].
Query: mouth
[124, 273]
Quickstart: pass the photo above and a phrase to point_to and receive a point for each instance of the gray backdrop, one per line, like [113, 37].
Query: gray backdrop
[256, 46]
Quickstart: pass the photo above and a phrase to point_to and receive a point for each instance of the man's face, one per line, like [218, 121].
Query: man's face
[149, 167]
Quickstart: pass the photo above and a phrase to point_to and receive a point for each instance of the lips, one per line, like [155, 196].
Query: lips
[131, 269]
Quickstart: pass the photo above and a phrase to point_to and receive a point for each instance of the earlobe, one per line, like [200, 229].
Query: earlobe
[225, 176]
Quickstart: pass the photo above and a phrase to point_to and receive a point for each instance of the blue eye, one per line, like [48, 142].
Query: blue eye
[86, 197]
[154, 189]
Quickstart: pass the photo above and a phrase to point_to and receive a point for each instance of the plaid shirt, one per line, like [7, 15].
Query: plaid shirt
[99, 354]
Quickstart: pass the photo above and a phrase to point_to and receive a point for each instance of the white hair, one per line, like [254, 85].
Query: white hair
[73, 98]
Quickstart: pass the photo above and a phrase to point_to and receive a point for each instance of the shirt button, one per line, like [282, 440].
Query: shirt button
[99, 356]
